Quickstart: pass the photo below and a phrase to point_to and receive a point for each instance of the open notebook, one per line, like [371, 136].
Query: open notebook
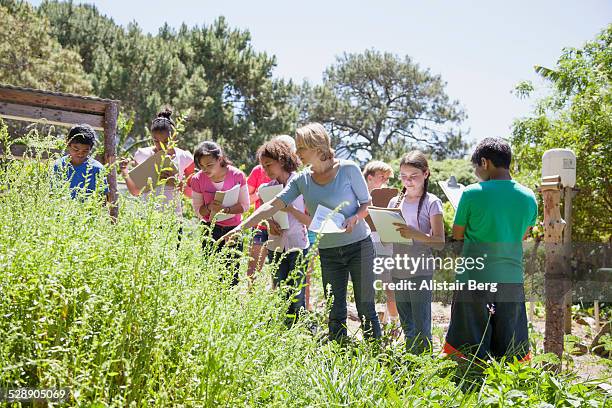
[150, 169]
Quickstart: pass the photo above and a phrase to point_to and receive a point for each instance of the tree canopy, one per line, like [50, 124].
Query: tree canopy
[576, 115]
[30, 57]
[212, 71]
[380, 105]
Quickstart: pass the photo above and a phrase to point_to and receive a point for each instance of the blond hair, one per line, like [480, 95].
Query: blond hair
[314, 136]
[375, 166]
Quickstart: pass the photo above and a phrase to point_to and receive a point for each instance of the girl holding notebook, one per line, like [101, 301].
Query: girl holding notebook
[422, 212]
[287, 244]
[217, 175]
[163, 132]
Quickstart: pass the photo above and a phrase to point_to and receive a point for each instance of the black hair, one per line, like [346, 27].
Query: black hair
[495, 149]
[163, 122]
[212, 149]
[83, 134]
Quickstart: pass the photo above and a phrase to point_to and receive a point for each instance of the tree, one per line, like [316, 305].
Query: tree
[213, 71]
[377, 104]
[242, 105]
[576, 115]
[30, 57]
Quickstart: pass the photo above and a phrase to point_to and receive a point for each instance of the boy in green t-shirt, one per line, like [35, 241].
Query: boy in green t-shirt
[493, 217]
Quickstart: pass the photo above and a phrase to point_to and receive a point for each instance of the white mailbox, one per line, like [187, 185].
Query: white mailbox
[560, 162]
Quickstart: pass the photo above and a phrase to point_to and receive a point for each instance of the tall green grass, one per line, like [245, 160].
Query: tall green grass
[119, 315]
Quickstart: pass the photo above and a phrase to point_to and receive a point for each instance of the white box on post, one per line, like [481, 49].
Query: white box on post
[561, 162]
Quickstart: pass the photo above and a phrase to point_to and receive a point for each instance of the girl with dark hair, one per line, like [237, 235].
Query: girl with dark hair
[287, 248]
[422, 211]
[217, 174]
[163, 132]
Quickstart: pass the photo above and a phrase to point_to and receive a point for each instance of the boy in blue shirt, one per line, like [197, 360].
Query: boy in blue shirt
[488, 316]
[80, 170]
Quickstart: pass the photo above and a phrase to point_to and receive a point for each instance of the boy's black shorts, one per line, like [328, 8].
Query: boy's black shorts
[485, 323]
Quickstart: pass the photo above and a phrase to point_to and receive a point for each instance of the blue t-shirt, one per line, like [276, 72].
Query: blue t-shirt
[81, 177]
[348, 187]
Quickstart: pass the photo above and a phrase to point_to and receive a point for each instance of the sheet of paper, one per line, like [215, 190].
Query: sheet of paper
[150, 170]
[325, 221]
[452, 190]
[268, 193]
[227, 198]
[384, 218]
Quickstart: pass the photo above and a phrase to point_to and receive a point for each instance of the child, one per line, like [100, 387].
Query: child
[217, 174]
[376, 174]
[423, 214]
[288, 246]
[81, 170]
[493, 217]
[256, 178]
[164, 138]
[258, 250]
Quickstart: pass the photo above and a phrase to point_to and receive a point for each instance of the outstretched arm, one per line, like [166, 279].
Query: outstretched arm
[267, 210]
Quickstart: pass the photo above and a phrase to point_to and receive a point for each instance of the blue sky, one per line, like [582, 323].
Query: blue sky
[481, 48]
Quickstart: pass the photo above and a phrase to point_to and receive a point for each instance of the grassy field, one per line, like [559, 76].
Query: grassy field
[119, 315]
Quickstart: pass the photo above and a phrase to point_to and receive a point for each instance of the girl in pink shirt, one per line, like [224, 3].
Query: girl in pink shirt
[217, 174]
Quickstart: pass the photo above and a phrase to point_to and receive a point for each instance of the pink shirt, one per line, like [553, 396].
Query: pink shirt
[256, 178]
[204, 192]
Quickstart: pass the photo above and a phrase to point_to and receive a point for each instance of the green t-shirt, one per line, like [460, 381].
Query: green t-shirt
[495, 214]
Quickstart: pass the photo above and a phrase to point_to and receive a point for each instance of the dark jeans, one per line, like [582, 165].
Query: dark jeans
[414, 308]
[232, 260]
[337, 264]
[291, 274]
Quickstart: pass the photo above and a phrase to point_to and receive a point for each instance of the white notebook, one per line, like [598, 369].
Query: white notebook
[325, 221]
[228, 199]
[268, 193]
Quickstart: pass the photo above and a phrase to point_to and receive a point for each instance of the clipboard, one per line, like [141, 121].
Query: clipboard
[380, 198]
[150, 170]
[452, 190]
[383, 219]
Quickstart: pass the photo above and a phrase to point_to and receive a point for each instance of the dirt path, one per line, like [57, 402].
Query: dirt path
[586, 365]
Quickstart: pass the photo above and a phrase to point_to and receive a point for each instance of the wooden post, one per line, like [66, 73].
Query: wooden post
[110, 154]
[568, 193]
[556, 268]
